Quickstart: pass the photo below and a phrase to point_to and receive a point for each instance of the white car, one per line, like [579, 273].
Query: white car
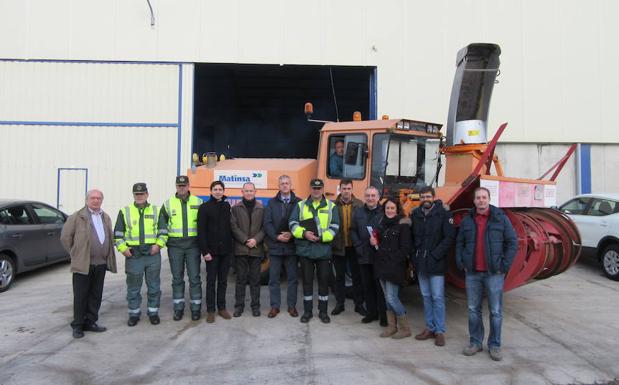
[597, 219]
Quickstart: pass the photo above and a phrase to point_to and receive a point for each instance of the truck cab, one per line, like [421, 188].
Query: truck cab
[391, 155]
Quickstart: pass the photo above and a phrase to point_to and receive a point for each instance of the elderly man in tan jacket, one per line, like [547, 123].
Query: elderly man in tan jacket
[87, 235]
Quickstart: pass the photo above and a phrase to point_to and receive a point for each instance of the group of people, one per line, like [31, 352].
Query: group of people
[377, 242]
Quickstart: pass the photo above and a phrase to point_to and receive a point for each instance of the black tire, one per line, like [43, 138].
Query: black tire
[7, 272]
[610, 262]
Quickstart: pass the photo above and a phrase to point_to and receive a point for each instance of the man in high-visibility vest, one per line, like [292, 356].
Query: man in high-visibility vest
[139, 236]
[180, 213]
[314, 223]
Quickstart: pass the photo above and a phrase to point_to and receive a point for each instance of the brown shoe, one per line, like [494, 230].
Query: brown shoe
[210, 317]
[404, 329]
[223, 313]
[424, 335]
[439, 339]
[293, 311]
[273, 313]
[391, 328]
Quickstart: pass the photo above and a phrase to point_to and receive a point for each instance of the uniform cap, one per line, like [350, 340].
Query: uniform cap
[182, 180]
[140, 188]
[318, 183]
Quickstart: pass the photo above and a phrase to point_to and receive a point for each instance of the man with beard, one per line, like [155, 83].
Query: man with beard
[433, 235]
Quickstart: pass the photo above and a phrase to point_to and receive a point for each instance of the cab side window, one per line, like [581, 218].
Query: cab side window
[347, 156]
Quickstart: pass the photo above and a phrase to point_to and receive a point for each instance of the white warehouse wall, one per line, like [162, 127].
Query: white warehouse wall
[120, 122]
[557, 83]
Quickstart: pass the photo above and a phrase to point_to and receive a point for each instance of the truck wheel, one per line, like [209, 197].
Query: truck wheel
[610, 262]
[7, 272]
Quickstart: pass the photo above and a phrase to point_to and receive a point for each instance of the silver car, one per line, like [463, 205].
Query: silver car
[29, 238]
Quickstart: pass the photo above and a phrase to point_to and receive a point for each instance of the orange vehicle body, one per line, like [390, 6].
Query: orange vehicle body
[390, 154]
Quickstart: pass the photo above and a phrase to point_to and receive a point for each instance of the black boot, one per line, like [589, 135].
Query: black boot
[178, 315]
[322, 312]
[307, 312]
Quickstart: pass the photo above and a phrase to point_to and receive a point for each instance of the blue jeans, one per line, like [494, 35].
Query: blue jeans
[476, 282]
[392, 298]
[433, 291]
[275, 268]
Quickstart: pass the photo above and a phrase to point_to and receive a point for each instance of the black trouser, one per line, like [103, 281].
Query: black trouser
[373, 293]
[340, 277]
[247, 271]
[322, 267]
[87, 294]
[217, 275]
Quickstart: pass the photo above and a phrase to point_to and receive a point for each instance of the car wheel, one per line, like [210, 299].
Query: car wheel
[610, 262]
[7, 272]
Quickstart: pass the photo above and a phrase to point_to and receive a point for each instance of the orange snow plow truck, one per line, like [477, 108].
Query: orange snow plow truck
[400, 156]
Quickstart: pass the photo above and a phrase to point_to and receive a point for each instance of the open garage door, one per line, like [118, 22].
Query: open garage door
[245, 110]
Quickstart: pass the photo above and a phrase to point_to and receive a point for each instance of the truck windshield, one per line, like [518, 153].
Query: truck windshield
[399, 162]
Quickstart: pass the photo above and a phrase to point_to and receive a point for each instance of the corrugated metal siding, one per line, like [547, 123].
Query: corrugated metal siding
[103, 95]
[88, 92]
[116, 157]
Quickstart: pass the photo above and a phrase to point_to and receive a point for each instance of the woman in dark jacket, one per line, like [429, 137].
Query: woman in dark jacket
[392, 244]
[215, 240]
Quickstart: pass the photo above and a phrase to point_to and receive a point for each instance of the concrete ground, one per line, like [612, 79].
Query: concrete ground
[564, 330]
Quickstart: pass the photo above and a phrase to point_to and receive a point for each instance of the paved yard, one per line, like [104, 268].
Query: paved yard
[560, 331]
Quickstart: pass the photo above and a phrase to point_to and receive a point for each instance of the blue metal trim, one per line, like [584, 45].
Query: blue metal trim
[83, 124]
[173, 63]
[58, 181]
[193, 100]
[180, 119]
[585, 168]
[373, 95]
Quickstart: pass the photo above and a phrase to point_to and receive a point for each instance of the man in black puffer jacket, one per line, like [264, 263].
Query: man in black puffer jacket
[433, 236]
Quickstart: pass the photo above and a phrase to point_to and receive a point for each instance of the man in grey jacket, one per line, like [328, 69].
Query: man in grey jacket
[87, 235]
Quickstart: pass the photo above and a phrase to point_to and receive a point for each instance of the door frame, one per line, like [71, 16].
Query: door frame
[60, 169]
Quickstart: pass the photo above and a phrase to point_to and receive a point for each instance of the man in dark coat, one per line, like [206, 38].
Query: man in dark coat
[433, 236]
[344, 252]
[364, 219]
[215, 240]
[280, 243]
[485, 249]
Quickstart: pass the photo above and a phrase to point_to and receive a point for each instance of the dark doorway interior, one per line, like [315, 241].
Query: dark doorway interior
[246, 110]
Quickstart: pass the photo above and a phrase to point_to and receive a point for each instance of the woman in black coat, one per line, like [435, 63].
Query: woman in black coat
[392, 243]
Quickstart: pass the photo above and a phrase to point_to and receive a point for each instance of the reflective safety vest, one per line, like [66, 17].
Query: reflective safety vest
[324, 214]
[174, 209]
[131, 236]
